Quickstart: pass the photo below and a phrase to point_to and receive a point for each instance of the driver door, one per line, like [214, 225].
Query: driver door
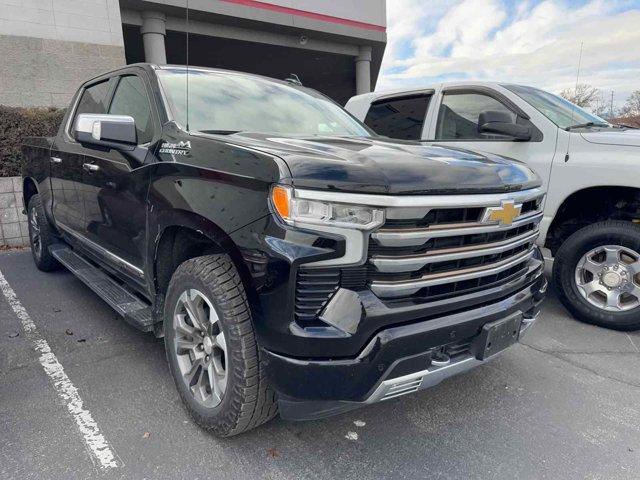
[115, 184]
[456, 124]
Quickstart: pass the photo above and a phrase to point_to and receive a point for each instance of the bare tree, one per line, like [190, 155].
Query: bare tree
[631, 108]
[583, 96]
[601, 107]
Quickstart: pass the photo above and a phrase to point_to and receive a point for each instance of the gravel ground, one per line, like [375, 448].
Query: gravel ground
[564, 404]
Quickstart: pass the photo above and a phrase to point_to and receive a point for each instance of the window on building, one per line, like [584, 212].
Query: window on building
[131, 99]
[400, 117]
[459, 112]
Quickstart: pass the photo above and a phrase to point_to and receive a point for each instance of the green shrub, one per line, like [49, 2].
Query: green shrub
[18, 123]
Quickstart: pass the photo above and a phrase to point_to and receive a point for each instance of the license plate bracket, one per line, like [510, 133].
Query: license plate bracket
[496, 336]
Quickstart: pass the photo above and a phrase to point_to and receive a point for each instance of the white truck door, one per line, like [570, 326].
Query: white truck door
[453, 121]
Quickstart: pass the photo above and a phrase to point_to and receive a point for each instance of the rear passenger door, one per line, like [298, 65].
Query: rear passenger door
[116, 183]
[399, 116]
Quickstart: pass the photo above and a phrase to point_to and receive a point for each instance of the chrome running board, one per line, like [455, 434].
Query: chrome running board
[133, 309]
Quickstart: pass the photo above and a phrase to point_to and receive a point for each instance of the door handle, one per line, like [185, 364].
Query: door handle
[56, 160]
[90, 167]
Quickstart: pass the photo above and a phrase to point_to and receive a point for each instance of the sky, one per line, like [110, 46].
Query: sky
[529, 42]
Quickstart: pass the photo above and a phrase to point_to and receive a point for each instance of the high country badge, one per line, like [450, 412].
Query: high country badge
[180, 148]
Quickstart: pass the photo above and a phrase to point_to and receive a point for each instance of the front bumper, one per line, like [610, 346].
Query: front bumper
[436, 373]
[397, 360]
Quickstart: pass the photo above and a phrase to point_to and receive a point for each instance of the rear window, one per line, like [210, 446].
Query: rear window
[400, 117]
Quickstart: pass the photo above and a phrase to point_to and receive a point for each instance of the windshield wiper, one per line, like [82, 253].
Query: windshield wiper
[586, 125]
[221, 132]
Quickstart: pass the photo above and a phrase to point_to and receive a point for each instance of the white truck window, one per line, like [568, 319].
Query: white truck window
[459, 112]
[398, 117]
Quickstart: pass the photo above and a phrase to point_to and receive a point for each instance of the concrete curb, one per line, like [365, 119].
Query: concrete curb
[13, 223]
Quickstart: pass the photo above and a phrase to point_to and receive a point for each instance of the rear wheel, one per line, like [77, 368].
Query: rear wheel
[41, 236]
[597, 274]
[212, 350]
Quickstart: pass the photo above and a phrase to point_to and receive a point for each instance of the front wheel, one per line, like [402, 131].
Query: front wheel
[597, 274]
[212, 350]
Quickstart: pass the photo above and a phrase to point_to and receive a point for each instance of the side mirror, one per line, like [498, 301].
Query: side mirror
[500, 123]
[107, 131]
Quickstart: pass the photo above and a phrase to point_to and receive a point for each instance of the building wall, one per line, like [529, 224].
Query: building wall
[369, 15]
[49, 47]
[367, 11]
[13, 223]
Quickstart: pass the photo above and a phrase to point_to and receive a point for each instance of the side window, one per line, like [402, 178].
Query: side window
[459, 112]
[401, 118]
[94, 99]
[131, 99]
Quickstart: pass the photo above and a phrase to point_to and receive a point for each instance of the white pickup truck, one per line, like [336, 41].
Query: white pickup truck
[591, 170]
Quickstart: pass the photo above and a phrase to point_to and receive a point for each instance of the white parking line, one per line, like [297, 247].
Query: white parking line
[99, 449]
[632, 342]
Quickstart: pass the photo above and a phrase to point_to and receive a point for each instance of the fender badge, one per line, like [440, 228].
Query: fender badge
[180, 148]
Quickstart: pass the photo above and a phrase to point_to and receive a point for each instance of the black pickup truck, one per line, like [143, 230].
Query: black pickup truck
[293, 260]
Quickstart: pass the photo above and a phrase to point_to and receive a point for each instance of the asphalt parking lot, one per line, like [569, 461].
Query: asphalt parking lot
[565, 404]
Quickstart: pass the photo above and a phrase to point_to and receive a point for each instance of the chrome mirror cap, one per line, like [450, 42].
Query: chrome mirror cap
[105, 130]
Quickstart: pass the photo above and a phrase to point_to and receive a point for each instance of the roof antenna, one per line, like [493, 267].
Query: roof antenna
[187, 65]
[566, 157]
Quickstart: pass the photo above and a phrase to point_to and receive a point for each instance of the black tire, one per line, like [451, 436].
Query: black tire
[41, 236]
[611, 232]
[248, 401]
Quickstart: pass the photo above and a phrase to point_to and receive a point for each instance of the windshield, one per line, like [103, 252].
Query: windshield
[560, 111]
[227, 102]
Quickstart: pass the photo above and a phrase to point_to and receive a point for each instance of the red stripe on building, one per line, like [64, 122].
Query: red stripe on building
[303, 13]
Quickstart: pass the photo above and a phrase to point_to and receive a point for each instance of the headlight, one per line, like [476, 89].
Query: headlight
[297, 211]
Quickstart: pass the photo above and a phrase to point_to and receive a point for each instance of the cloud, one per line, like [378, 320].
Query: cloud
[535, 43]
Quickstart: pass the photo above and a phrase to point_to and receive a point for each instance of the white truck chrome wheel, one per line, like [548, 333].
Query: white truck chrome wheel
[608, 277]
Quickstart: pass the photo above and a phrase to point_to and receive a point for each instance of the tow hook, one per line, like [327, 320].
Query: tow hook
[440, 358]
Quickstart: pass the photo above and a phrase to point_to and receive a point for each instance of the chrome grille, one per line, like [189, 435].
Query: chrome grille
[423, 252]
[402, 388]
[438, 216]
[429, 248]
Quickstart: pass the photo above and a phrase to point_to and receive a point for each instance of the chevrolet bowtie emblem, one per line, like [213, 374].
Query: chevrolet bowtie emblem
[505, 214]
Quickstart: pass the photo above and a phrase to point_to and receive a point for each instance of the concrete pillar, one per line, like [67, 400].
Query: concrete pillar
[153, 31]
[363, 70]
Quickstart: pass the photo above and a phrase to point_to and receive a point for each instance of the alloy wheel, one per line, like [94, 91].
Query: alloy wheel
[34, 233]
[200, 347]
[608, 277]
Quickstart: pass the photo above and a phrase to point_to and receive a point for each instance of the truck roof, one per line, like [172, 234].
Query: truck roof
[152, 67]
[420, 89]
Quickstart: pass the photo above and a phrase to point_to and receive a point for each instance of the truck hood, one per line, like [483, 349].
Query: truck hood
[377, 165]
[627, 138]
